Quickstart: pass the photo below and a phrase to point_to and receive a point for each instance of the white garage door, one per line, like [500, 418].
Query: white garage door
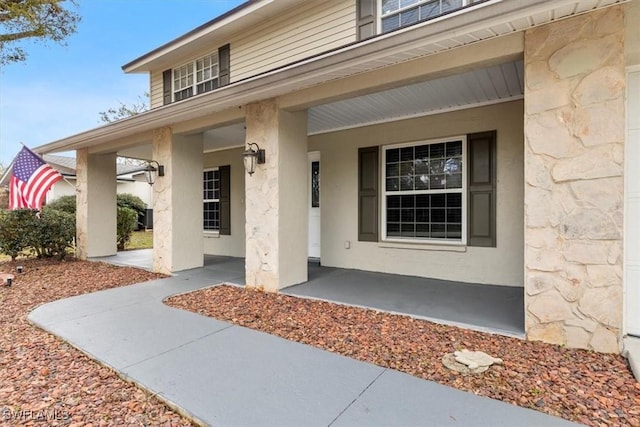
[632, 202]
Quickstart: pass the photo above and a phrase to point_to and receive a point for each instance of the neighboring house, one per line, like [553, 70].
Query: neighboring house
[129, 179]
[476, 141]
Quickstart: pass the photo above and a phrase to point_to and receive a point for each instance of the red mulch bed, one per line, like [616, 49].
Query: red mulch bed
[43, 380]
[591, 388]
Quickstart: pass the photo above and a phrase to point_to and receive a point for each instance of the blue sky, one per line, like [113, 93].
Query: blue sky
[59, 91]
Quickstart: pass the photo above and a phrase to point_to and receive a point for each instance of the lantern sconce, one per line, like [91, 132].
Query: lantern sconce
[253, 157]
[153, 172]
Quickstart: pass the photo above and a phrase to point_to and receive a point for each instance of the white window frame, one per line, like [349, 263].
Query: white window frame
[211, 230]
[193, 73]
[400, 10]
[463, 190]
[187, 74]
[213, 63]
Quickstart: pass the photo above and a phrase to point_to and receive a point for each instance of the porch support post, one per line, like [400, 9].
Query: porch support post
[177, 202]
[574, 156]
[95, 204]
[276, 198]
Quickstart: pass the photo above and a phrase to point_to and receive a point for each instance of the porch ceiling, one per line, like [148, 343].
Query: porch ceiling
[477, 87]
[482, 86]
[499, 83]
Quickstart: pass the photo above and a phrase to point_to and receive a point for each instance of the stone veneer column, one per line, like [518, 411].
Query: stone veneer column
[177, 202]
[574, 133]
[276, 199]
[95, 204]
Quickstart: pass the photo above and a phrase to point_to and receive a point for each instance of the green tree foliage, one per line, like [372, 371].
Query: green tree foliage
[40, 20]
[48, 234]
[127, 220]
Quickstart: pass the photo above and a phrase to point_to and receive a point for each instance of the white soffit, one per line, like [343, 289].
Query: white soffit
[483, 86]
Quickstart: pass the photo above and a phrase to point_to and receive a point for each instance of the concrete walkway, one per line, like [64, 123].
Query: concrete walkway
[226, 375]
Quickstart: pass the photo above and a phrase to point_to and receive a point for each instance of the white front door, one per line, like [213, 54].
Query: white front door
[632, 205]
[314, 204]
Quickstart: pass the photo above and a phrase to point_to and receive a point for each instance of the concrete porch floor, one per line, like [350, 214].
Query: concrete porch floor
[497, 309]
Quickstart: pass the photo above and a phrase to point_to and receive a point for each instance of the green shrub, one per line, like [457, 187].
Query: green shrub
[65, 204]
[127, 220]
[55, 233]
[49, 234]
[130, 201]
[16, 230]
[126, 200]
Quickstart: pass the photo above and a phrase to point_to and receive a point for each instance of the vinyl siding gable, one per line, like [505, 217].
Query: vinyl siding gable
[311, 28]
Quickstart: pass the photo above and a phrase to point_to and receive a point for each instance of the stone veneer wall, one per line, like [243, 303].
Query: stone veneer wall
[574, 149]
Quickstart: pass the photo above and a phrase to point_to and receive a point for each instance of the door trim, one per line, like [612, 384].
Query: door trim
[316, 218]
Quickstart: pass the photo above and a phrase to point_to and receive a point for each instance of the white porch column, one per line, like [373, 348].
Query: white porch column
[95, 204]
[574, 156]
[276, 198]
[177, 202]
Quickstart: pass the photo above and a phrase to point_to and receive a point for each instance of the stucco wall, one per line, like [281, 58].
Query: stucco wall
[574, 156]
[502, 265]
[234, 244]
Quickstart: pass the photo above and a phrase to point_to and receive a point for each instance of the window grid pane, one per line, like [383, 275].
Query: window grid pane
[400, 13]
[195, 77]
[207, 68]
[211, 200]
[424, 191]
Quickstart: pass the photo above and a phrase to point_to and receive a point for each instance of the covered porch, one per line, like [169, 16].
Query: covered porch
[549, 202]
[494, 309]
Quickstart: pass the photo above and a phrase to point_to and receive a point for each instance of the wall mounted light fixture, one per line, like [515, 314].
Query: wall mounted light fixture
[253, 157]
[153, 171]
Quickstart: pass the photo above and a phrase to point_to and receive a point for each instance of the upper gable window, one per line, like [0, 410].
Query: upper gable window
[195, 77]
[401, 13]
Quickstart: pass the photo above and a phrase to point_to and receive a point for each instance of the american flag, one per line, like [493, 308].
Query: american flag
[31, 178]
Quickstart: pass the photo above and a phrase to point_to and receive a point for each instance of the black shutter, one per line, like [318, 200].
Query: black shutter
[366, 19]
[368, 194]
[166, 87]
[225, 199]
[481, 148]
[224, 65]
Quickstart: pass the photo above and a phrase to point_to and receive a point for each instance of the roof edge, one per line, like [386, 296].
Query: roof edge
[134, 65]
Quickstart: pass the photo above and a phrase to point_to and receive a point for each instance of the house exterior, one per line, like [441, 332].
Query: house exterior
[489, 142]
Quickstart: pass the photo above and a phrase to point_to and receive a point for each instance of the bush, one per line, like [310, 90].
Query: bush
[49, 234]
[127, 220]
[55, 233]
[65, 204]
[130, 201]
[16, 227]
[126, 200]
